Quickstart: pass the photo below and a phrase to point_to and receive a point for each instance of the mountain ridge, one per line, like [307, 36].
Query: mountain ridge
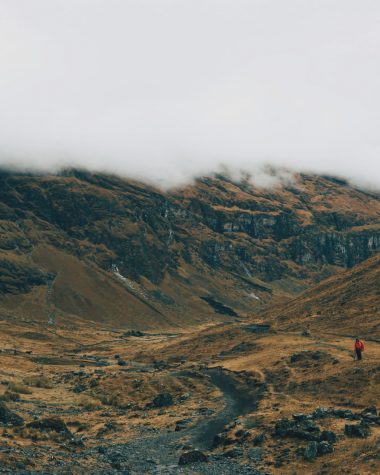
[161, 253]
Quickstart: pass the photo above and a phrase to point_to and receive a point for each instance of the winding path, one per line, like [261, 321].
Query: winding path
[159, 453]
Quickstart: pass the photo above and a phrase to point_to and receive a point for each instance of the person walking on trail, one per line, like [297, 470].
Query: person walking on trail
[359, 348]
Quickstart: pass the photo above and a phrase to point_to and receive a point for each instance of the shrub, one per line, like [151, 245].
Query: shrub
[38, 382]
[9, 396]
[18, 388]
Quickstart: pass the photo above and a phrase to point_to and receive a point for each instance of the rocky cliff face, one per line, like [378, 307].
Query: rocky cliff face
[234, 243]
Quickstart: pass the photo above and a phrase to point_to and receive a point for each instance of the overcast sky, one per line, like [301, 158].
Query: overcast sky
[165, 89]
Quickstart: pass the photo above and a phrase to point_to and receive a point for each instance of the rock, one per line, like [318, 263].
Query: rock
[222, 439]
[345, 414]
[233, 453]
[257, 328]
[184, 397]
[321, 412]
[194, 456]
[256, 453]
[370, 410]
[357, 430]
[304, 430]
[301, 417]
[283, 427]
[305, 333]
[324, 448]
[311, 451]
[9, 417]
[160, 364]
[259, 439]
[219, 439]
[79, 388]
[163, 400]
[51, 424]
[121, 362]
[328, 436]
[135, 333]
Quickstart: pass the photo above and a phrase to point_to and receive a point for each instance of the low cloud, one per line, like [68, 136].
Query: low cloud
[163, 91]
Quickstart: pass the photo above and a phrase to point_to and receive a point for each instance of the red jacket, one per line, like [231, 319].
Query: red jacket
[359, 345]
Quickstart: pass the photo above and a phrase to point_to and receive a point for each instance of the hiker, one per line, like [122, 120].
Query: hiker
[359, 348]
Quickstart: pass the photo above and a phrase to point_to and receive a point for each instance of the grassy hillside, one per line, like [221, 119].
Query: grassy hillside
[111, 250]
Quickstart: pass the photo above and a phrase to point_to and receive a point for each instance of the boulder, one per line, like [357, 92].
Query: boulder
[357, 430]
[163, 400]
[222, 439]
[328, 436]
[256, 454]
[321, 412]
[259, 439]
[345, 414]
[301, 417]
[311, 451]
[136, 333]
[283, 427]
[305, 429]
[233, 453]
[370, 410]
[194, 456]
[9, 417]
[324, 448]
[48, 424]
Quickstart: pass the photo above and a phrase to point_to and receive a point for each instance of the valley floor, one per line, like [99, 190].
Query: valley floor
[234, 398]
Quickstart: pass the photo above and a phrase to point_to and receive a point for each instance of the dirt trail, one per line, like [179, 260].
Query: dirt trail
[159, 454]
[237, 403]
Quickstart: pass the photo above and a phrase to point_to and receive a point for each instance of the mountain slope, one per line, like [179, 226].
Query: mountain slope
[85, 245]
[347, 302]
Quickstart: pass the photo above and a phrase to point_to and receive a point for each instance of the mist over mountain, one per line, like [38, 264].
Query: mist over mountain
[164, 91]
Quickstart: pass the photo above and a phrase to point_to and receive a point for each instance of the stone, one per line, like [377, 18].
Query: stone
[321, 412]
[301, 417]
[259, 439]
[51, 424]
[328, 436]
[136, 333]
[256, 453]
[184, 397]
[163, 400]
[9, 417]
[311, 451]
[194, 456]
[345, 414]
[283, 427]
[357, 430]
[219, 439]
[305, 429]
[370, 410]
[324, 448]
[233, 453]
[121, 362]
